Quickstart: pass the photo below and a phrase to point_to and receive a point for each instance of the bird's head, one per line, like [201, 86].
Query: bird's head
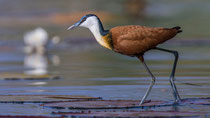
[86, 21]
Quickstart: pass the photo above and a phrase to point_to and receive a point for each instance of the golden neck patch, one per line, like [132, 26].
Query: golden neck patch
[106, 41]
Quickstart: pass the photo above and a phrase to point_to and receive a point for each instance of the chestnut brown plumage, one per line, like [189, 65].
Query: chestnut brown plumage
[133, 40]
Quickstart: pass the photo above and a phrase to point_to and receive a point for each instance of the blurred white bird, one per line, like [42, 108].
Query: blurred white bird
[37, 41]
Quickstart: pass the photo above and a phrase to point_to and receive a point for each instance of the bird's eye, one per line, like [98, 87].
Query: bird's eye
[83, 20]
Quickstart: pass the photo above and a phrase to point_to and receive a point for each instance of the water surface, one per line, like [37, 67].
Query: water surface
[95, 71]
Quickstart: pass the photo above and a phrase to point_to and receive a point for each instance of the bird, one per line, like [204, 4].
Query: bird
[37, 40]
[134, 41]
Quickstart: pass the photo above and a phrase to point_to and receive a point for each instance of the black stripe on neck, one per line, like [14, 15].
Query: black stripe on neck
[101, 28]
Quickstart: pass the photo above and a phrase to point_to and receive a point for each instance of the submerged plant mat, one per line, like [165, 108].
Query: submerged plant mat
[196, 101]
[103, 104]
[18, 76]
[122, 104]
[42, 98]
[131, 113]
[22, 116]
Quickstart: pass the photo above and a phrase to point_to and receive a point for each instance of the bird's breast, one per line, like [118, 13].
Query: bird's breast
[105, 41]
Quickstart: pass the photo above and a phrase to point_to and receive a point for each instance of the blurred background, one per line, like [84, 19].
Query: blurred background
[21, 15]
[73, 58]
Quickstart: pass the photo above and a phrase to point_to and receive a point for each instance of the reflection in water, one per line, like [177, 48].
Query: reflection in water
[37, 64]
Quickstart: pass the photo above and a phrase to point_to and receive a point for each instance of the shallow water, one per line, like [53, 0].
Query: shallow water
[95, 71]
[88, 69]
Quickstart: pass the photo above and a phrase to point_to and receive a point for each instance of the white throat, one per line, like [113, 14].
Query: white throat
[96, 32]
[92, 24]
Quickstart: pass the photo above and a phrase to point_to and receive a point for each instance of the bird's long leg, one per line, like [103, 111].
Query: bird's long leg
[176, 54]
[152, 83]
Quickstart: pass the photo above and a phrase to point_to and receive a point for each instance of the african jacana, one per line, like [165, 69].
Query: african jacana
[133, 40]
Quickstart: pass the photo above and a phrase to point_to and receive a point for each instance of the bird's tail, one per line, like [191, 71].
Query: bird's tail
[178, 29]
